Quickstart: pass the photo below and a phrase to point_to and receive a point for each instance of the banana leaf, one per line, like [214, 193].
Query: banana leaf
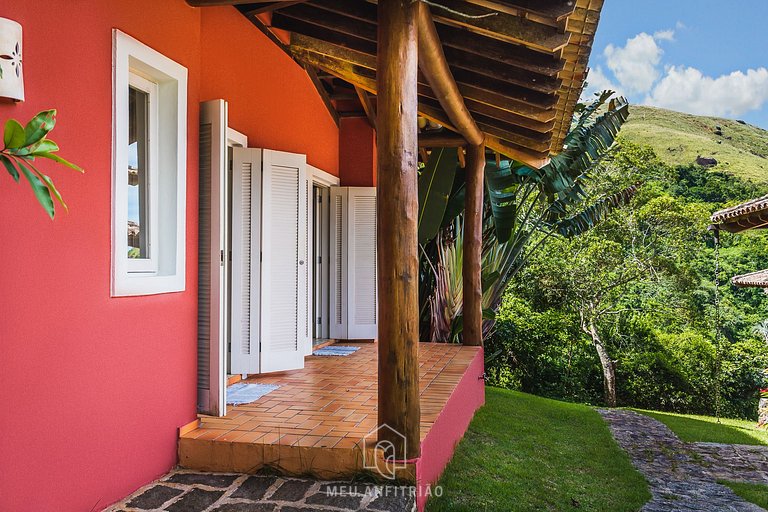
[435, 185]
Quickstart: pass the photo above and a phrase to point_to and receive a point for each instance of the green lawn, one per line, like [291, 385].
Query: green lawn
[691, 428]
[754, 493]
[526, 453]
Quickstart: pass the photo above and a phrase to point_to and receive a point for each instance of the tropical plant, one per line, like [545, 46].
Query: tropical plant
[22, 145]
[524, 207]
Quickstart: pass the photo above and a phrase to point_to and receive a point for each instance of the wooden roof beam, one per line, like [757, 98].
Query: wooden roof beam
[435, 68]
[444, 139]
[309, 49]
[365, 101]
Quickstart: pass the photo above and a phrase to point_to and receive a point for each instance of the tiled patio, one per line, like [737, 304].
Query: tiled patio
[317, 420]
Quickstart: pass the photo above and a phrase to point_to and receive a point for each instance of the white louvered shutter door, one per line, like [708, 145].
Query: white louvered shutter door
[337, 308]
[361, 270]
[308, 267]
[246, 248]
[211, 356]
[284, 258]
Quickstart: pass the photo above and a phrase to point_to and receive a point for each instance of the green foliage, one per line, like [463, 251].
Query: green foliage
[435, 184]
[22, 145]
[650, 265]
[525, 453]
[524, 208]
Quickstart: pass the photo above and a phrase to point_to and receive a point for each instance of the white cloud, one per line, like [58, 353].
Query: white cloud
[635, 64]
[664, 35]
[597, 81]
[689, 90]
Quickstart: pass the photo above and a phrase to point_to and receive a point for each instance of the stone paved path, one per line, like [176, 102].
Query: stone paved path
[683, 476]
[187, 491]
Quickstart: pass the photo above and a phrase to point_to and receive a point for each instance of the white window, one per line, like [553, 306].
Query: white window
[149, 170]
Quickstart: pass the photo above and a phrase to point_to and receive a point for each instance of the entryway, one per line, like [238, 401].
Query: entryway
[287, 259]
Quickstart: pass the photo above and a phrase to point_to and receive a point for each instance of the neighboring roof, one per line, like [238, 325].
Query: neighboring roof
[753, 279]
[520, 64]
[750, 215]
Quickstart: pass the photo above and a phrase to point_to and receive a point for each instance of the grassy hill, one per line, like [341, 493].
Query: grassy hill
[678, 138]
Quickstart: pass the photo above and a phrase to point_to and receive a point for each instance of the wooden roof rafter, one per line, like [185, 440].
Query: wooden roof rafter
[519, 64]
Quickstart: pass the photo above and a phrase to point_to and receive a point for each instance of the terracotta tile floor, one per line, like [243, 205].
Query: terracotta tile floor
[329, 404]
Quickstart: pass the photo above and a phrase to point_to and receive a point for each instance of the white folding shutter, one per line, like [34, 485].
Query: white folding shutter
[362, 303]
[284, 258]
[211, 349]
[246, 250]
[353, 284]
[308, 269]
[337, 308]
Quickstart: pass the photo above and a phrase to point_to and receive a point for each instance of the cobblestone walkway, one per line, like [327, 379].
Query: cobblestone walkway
[185, 491]
[683, 476]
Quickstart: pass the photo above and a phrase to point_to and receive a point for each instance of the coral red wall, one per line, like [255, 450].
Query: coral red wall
[271, 99]
[93, 388]
[357, 152]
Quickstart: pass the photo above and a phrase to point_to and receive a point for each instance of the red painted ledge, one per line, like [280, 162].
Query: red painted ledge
[438, 446]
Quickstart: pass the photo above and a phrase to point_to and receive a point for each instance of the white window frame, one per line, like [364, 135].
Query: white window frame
[150, 264]
[164, 271]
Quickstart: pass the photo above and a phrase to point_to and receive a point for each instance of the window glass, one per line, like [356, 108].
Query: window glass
[138, 187]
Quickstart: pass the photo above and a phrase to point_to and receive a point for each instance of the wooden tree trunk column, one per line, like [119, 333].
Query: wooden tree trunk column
[397, 236]
[473, 247]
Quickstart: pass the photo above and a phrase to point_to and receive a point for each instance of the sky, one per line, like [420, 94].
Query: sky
[698, 56]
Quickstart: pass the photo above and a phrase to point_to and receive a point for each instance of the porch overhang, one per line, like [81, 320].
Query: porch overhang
[519, 65]
[752, 280]
[750, 215]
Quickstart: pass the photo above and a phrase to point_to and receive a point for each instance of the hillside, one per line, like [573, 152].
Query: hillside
[678, 138]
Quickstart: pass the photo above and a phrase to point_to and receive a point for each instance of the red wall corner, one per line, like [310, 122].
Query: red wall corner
[357, 152]
[438, 446]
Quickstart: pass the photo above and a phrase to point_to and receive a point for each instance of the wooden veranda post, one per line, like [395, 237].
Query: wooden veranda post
[397, 231]
[473, 247]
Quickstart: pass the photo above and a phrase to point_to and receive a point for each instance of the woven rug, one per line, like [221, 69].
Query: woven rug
[242, 393]
[335, 350]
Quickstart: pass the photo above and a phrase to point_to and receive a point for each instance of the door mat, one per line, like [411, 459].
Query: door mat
[242, 393]
[335, 350]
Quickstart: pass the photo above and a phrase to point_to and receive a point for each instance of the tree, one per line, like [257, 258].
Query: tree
[525, 207]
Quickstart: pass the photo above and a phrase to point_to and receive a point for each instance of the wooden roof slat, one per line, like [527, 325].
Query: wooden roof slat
[512, 54]
[330, 30]
[304, 48]
[501, 26]
[459, 38]
[556, 10]
[537, 141]
[488, 67]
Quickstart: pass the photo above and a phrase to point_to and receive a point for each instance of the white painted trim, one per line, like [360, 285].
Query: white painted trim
[236, 139]
[150, 264]
[320, 177]
[131, 56]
